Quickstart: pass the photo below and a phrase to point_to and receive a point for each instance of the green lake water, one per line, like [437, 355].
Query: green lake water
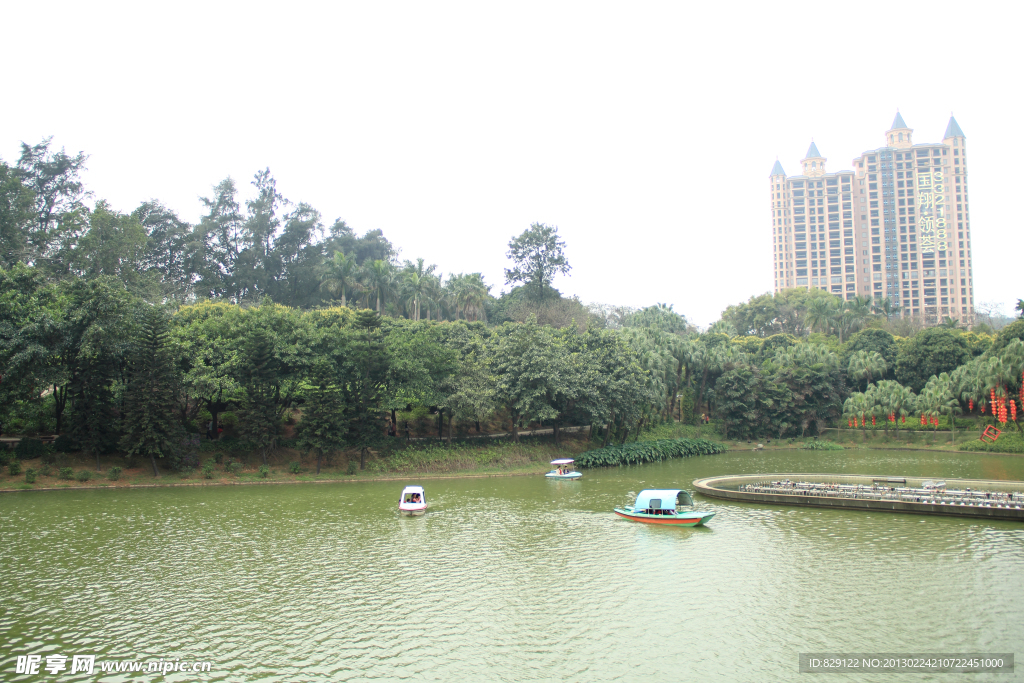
[506, 579]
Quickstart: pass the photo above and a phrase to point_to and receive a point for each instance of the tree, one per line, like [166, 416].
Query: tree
[886, 307]
[323, 428]
[220, 233]
[380, 278]
[341, 274]
[537, 256]
[937, 399]
[149, 426]
[269, 361]
[930, 352]
[1019, 308]
[864, 366]
[525, 363]
[59, 194]
[873, 340]
[366, 380]
[16, 213]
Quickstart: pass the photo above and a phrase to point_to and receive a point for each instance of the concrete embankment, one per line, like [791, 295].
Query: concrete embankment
[958, 498]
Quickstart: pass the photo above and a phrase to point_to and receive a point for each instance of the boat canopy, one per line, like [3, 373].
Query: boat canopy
[662, 499]
[412, 489]
[564, 461]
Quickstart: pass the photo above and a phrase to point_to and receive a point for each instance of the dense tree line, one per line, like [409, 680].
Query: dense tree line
[129, 331]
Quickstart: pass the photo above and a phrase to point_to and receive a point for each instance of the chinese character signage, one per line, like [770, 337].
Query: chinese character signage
[932, 203]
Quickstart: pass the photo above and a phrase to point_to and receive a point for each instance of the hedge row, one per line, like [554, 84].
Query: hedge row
[647, 451]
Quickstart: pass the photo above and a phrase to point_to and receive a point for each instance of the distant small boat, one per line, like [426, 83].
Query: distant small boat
[663, 506]
[563, 470]
[413, 501]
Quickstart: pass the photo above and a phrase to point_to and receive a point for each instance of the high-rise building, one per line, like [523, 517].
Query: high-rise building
[887, 229]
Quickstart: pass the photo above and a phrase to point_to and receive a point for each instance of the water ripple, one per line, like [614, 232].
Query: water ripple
[510, 579]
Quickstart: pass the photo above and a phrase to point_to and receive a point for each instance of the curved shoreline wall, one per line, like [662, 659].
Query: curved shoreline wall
[727, 488]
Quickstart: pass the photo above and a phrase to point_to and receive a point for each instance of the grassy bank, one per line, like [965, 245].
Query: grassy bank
[231, 466]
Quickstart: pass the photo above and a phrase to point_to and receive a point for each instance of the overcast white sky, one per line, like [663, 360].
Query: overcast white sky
[644, 131]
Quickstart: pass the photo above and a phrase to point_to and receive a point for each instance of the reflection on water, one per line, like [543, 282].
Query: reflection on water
[506, 578]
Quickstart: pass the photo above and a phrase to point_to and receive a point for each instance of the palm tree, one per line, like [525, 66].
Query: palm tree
[949, 323]
[937, 398]
[467, 292]
[820, 314]
[432, 294]
[886, 307]
[851, 315]
[379, 280]
[866, 366]
[722, 327]
[340, 274]
[415, 283]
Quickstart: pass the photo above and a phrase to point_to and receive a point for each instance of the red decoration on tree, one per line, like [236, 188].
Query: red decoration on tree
[849, 423]
[1013, 410]
[904, 419]
[872, 420]
[970, 404]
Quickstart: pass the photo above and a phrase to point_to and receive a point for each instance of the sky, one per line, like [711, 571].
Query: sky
[644, 131]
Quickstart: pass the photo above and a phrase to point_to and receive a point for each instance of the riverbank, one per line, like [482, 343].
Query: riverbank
[424, 461]
[230, 467]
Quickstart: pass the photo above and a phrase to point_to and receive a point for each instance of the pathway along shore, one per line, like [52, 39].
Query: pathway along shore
[958, 497]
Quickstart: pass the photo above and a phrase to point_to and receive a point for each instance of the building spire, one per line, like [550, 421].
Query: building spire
[898, 122]
[812, 151]
[953, 129]
[777, 168]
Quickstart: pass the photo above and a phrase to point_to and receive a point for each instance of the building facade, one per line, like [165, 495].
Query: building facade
[896, 227]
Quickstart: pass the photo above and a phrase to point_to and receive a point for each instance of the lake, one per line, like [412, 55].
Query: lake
[507, 579]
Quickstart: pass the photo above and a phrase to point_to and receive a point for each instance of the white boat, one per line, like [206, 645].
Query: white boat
[563, 470]
[413, 501]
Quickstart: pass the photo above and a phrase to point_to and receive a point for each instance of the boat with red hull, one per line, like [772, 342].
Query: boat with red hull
[663, 506]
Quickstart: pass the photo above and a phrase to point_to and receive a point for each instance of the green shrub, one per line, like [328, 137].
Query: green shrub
[45, 470]
[1007, 443]
[233, 467]
[14, 468]
[30, 476]
[5, 455]
[264, 471]
[822, 446]
[66, 473]
[647, 451]
[29, 448]
[294, 467]
[114, 473]
[208, 469]
[352, 467]
[84, 475]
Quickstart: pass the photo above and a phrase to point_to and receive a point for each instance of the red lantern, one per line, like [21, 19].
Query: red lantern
[992, 393]
[904, 419]
[872, 420]
[849, 423]
[970, 405]
[1013, 410]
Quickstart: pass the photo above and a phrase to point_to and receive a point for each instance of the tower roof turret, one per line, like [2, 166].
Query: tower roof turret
[812, 152]
[953, 129]
[898, 122]
[777, 169]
